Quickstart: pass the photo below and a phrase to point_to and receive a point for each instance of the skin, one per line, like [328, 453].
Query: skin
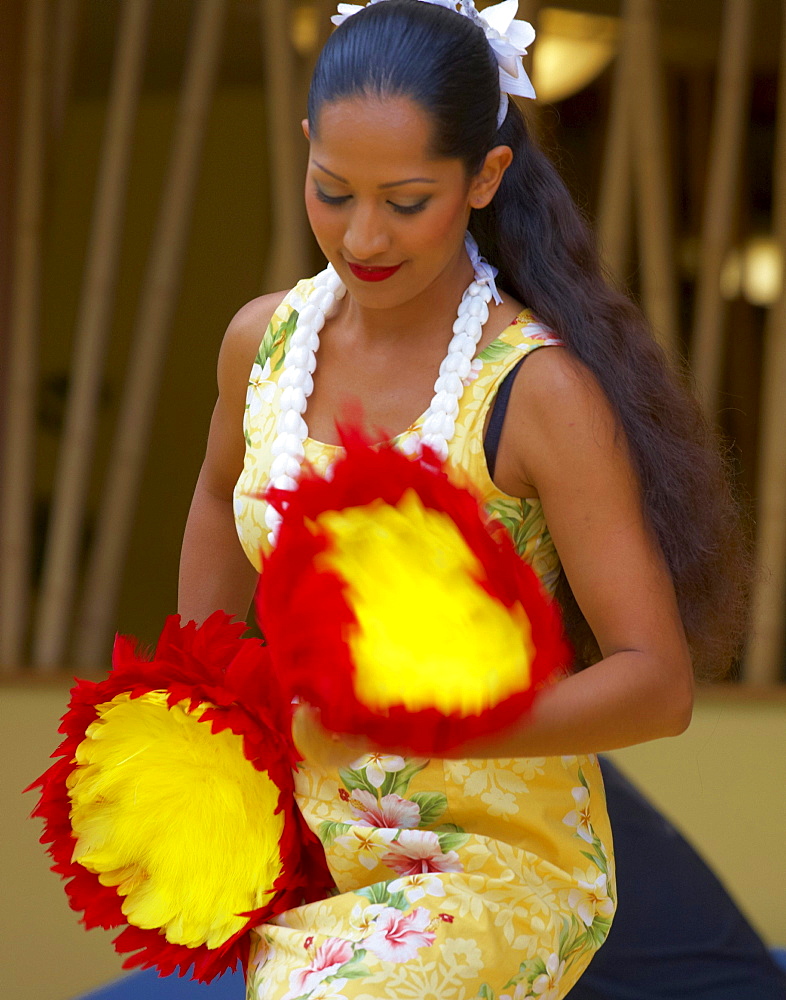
[560, 442]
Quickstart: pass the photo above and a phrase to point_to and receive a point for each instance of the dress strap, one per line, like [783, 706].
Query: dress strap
[497, 418]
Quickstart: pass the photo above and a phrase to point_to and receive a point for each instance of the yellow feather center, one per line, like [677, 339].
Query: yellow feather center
[176, 818]
[428, 633]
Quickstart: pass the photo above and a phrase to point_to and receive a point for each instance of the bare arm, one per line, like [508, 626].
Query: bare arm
[561, 442]
[562, 438]
[214, 571]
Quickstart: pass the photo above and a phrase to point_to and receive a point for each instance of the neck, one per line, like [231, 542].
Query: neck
[430, 312]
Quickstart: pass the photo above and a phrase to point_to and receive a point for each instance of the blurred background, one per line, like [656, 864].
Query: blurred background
[150, 184]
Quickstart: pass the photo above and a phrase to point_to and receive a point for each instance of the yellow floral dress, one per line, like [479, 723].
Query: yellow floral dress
[455, 879]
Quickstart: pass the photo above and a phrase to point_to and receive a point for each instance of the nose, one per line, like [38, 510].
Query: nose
[366, 235]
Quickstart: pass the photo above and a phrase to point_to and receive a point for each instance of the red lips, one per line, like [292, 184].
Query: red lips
[372, 273]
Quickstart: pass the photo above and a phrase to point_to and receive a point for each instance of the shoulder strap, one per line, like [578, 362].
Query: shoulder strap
[497, 418]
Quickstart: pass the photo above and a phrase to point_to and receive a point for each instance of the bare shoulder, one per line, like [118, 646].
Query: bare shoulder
[241, 341]
[555, 389]
[559, 419]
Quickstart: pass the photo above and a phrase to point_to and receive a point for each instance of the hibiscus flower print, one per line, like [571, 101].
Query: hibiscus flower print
[415, 852]
[391, 811]
[329, 958]
[397, 937]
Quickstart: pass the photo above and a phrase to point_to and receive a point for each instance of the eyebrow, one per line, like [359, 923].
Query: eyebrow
[389, 184]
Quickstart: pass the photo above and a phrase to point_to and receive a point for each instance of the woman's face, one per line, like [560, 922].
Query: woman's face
[387, 215]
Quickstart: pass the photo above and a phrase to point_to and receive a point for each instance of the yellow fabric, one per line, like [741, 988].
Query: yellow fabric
[456, 879]
[176, 817]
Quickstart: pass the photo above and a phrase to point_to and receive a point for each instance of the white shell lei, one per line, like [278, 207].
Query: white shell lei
[297, 384]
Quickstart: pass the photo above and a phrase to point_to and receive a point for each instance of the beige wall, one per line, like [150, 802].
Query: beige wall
[722, 782]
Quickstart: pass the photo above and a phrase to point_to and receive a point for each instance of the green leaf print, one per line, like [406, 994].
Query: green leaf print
[328, 831]
[596, 860]
[529, 971]
[507, 512]
[564, 934]
[497, 350]
[354, 968]
[403, 778]
[285, 332]
[268, 344]
[398, 901]
[380, 893]
[599, 930]
[450, 841]
[447, 828]
[583, 780]
[485, 992]
[431, 805]
[356, 779]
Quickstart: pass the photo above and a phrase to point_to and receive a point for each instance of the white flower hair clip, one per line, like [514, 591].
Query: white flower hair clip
[507, 37]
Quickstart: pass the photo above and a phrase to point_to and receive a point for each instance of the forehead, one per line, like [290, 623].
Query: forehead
[379, 135]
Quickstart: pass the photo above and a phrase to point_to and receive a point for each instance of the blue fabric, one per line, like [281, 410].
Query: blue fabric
[148, 986]
[679, 936]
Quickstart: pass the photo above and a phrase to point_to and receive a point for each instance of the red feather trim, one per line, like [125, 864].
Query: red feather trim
[214, 664]
[306, 617]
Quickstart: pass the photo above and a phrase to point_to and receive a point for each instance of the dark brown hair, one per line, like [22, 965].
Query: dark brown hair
[534, 233]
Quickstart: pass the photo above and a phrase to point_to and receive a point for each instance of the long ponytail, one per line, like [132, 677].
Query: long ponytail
[547, 258]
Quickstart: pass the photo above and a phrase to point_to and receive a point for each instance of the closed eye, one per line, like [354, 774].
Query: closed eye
[328, 199]
[409, 209]
[342, 199]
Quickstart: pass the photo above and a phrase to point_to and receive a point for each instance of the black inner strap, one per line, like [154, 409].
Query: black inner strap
[497, 419]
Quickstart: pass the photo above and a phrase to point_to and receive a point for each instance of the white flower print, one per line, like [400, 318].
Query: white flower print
[362, 918]
[260, 389]
[580, 816]
[591, 899]
[546, 986]
[519, 993]
[415, 887]
[377, 765]
[366, 844]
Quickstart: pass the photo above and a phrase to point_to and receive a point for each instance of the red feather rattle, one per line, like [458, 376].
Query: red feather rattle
[170, 810]
[392, 605]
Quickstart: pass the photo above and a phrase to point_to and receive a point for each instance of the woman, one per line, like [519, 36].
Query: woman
[492, 875]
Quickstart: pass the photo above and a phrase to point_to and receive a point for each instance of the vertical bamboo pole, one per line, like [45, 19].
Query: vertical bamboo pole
[734, 78]
[654, 209]
[92, 328]
[766, 650]
[158, 300]
[11, 31]
[66, 29]
[616, 195]
[288, 243]
[19, 451]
